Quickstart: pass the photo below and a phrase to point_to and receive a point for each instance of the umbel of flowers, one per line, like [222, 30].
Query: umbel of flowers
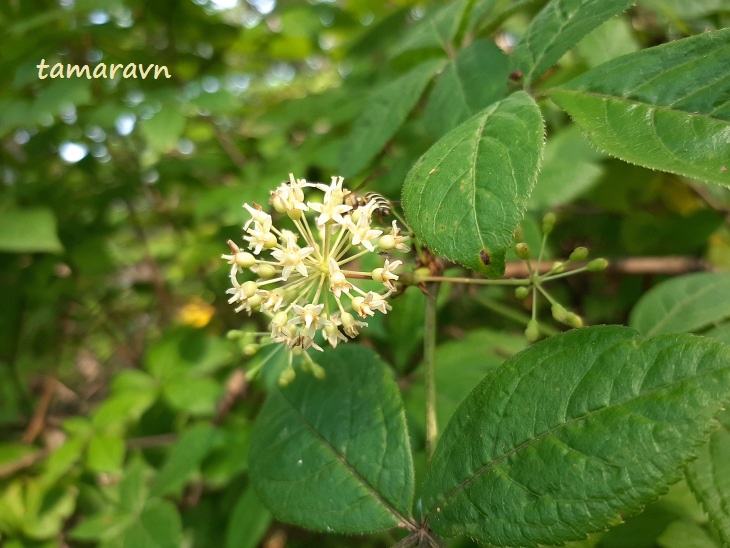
[303, 283]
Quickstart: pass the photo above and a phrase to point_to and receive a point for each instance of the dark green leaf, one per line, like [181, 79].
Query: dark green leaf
[333, 454]
[29, 231]
[248, 522]
[684, 304]
[435, 30]
[476, 78]
[709, 478]
[557, 28]
[383, 113]
[158, 526]
[467, 193]
[664, 108]
[533, 455]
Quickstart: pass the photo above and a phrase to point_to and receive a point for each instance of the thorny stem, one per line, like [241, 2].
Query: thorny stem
[429, 349]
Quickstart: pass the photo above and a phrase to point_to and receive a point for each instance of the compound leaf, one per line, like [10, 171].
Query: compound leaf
[534, 456]
[324, 446]
[467, 193]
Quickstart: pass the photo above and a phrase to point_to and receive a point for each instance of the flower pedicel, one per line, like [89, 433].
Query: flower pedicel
[306, 287]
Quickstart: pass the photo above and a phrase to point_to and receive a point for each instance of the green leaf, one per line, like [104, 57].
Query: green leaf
[158, 526]
[533, 455]
[663, 108]
[682, 534]
[384, 112]
[684, 304]
[467, 193]
[570, 167]
[557, 28]
[322, 446]
[248, 522]
[29, 231]
[612, 39]
[435, 30]
[105, 453]
[195, 396]
[709, 478]
[164, 129]
[184, 460]
[476, 78]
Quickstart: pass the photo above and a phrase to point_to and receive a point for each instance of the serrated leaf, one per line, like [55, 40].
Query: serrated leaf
[474, 79]
[570, 167]
[467, 193]
[435, 30]
[321, 446]
[557, 28]
[29, 231]
[709, 478]
[683, 304]
[534, 455]
[663, 108]
[383, 113]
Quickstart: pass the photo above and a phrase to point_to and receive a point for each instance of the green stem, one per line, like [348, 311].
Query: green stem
[429, 350]
[514, 315]
[480, 281]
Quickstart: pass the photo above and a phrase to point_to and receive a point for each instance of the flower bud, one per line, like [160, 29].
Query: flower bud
[522, 292]
[377, 275]
[287, 376]
[533, 331]
[386, 242]
[266, 271]
[249, 288]
[254, 301]
[559, 312]
[573, 320]
[522, 250]
[270, 241]
[245, 259]
[596, 265]
[420, 274]
[318, 371]
[295, 214]
[278, 204]
[579, 254]
[251, 349]
[558, 267]
[235, 334]
[548, 222]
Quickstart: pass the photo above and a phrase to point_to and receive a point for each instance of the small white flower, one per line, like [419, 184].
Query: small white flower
[271, 300]
[394, 240]
[338, 281]
[309, 316]
[361, 231]
[259, 239]
[387, 275]
[292, 258]
[289, 198]
[333, 335]
[350, 325]
[258, 216]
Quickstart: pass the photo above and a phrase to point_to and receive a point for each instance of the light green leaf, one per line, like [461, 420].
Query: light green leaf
[158, 526]
[436, 30]
[612, 39]
[684, 304]
[720, 332]
[248, 522]
[29, 231]
[663, 108]
[164, 129]
[321, 447]
[467, 193]
[384, 112]
[570, 167]
[557, 28]
[184, 460]
[709, 478]
[195, 396]
[473, 80]
[533, 455]
[683, 534]
[105, 453]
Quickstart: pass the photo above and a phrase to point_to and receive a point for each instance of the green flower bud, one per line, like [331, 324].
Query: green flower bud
[287, 376]
[249, 288]
[245, 259]
[579, 254]
[386, 243]
[573, 320]
[522, 292]
[559, 313]
[533, 331]
[522, 250]
[558, 267]
[270, 241]
[254, 302]
[548, 222]
[266, 271]
[251, 349]
[295, 214]
[596, 265]
[420, 274]
[377, 275]
[235, 334]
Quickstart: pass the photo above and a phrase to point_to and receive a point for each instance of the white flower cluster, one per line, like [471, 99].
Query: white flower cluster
[306, 286]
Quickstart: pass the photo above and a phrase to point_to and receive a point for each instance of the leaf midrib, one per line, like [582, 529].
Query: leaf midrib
[473, 477]
[405, 521]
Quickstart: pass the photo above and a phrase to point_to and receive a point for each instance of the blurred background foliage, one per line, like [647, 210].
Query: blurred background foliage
[124, 416]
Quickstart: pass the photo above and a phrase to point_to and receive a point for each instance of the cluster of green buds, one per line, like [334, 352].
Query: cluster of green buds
[305, 285]
[559, 269]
